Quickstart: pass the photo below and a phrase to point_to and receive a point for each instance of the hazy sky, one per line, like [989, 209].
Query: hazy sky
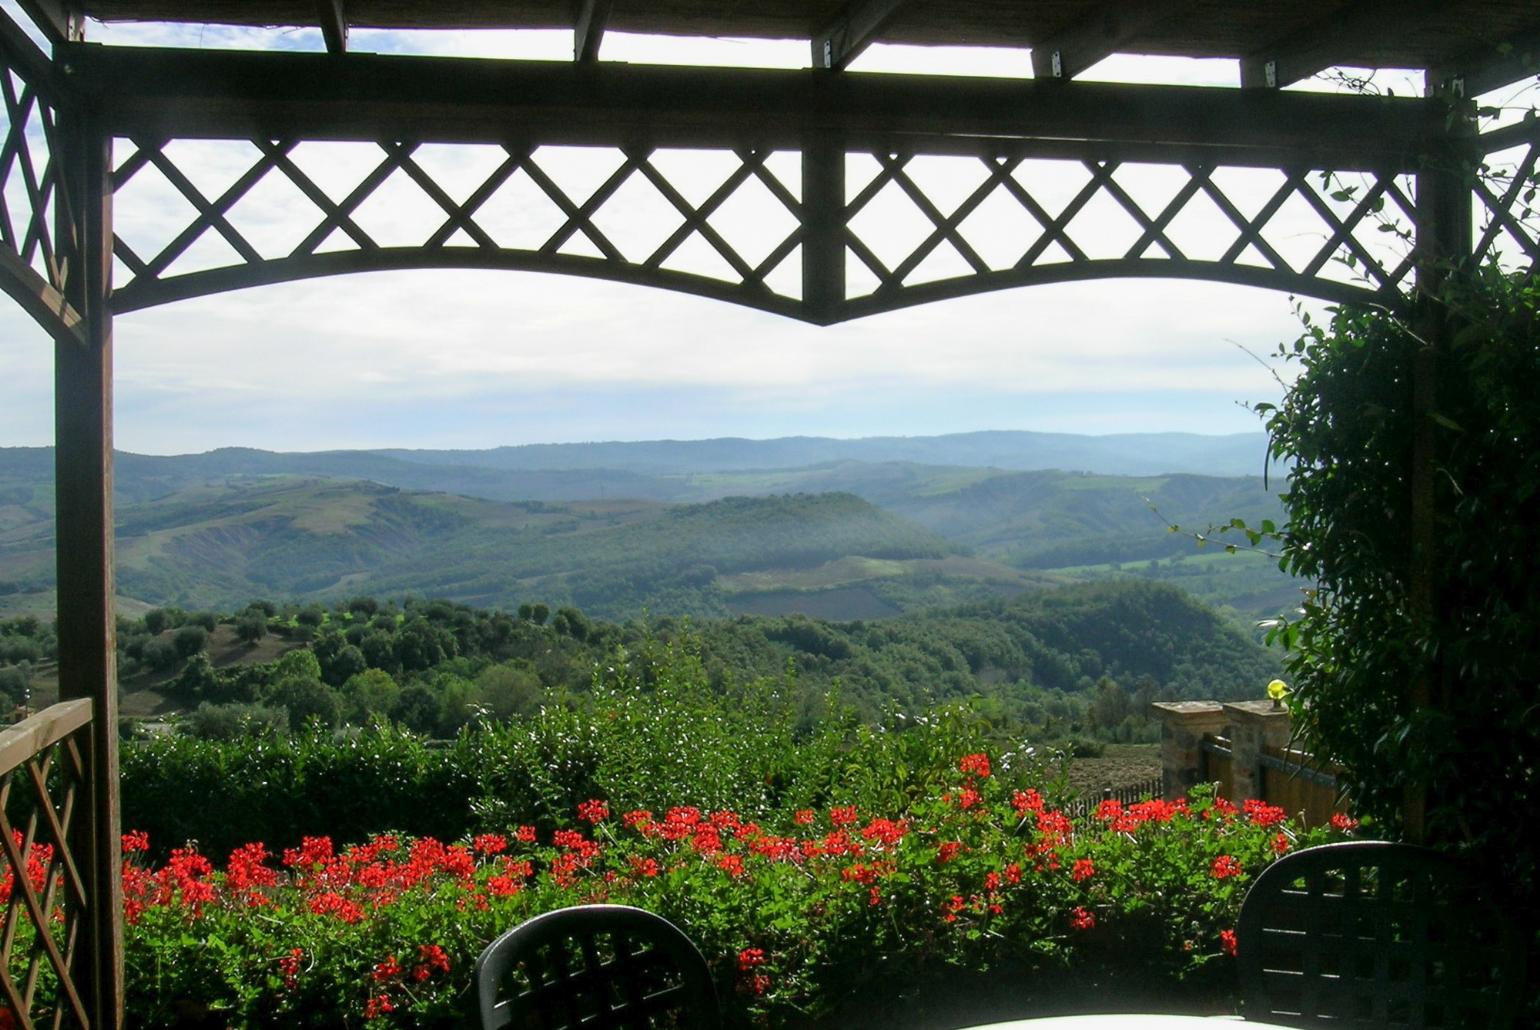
[455, 359]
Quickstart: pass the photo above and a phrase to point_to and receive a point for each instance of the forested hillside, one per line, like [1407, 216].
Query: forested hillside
[1082, 660]
[216, 546]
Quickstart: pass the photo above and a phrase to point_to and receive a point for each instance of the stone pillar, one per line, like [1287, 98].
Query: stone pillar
[1253, 726]
[1183, 724]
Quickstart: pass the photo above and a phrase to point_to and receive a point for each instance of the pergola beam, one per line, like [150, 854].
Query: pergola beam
[1322, 44]
[588, 29]
[1077, 47]
[169, 93]
[852, 31]
[334, 25]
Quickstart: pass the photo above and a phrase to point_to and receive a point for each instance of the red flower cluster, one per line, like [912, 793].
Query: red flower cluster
[489, 844]
[1081, 918]
[1228, 942]
[750, 961]
[1226, 866]
[975, 765]
[844, 815]
[593, 811]
[1264, 814]
[289, 966]
[1343, 823]
[1082, 870]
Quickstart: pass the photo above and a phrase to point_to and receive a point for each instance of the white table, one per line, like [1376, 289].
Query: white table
[1129, 1021]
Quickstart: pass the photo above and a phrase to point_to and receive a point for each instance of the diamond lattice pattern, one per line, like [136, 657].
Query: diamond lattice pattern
[1005, 217]
[731, 217]
[27, 177]
[41, 888]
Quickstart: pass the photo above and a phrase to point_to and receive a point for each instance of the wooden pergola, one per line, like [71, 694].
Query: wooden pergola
[82, 120]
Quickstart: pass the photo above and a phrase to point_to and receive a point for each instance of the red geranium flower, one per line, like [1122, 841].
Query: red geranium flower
[1226, 866]
[975, 765]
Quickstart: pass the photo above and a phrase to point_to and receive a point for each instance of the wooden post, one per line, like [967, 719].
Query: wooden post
[1444, 241]
[823, 226]
[83, 491]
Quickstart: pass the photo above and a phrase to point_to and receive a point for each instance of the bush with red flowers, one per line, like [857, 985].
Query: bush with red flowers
[794, 908]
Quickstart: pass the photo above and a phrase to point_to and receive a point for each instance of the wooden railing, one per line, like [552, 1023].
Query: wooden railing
[45, 933]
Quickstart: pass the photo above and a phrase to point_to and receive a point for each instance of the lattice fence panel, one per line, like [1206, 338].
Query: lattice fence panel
[1507, 207]
[713, 220]
[28, 174]
[42, 889]
[912, 221]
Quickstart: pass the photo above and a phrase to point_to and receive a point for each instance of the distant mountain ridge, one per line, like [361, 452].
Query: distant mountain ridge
[1121, 454]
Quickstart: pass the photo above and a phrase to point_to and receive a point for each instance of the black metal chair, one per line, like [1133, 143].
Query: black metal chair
[599, 967]
[1370, 934]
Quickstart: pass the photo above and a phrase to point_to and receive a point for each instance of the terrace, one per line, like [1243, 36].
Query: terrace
[824, 146]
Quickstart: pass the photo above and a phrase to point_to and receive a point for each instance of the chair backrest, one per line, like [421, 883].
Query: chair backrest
[596, 967]
[1371, 934]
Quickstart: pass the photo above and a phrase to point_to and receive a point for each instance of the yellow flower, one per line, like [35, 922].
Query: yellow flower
[1277, 690]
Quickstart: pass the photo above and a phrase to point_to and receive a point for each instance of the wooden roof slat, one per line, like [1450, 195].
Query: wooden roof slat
[860, 22]
[56, 20]
[1289, 59]
[588, 28]
[334, 25]
[1099, 34]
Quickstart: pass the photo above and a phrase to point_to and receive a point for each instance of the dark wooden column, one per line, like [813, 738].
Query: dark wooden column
[823, 226]
[1444, 242]
[83, 478]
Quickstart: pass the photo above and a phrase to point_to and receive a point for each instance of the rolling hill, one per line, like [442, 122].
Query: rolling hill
[663, 536]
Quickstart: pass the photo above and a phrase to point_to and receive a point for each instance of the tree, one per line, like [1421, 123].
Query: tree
[297, 687]
[379, 651]
[1416, 672]
[157, 621]
[508, 689]
[417, 709]
[421, 645]
[1110, 705]
[251, 626]
[159, 655]
[572, 623]
[346, 663]
[232, 721]
[369, 693]
[189, 640]
[198, 680]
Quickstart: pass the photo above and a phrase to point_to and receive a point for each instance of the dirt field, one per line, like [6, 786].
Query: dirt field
[1121, 765]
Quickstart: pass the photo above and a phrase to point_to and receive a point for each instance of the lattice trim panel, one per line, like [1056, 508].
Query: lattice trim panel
[933, 227]
[41, 883]
[1507, 196]
[198, 217]
[32, 267]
